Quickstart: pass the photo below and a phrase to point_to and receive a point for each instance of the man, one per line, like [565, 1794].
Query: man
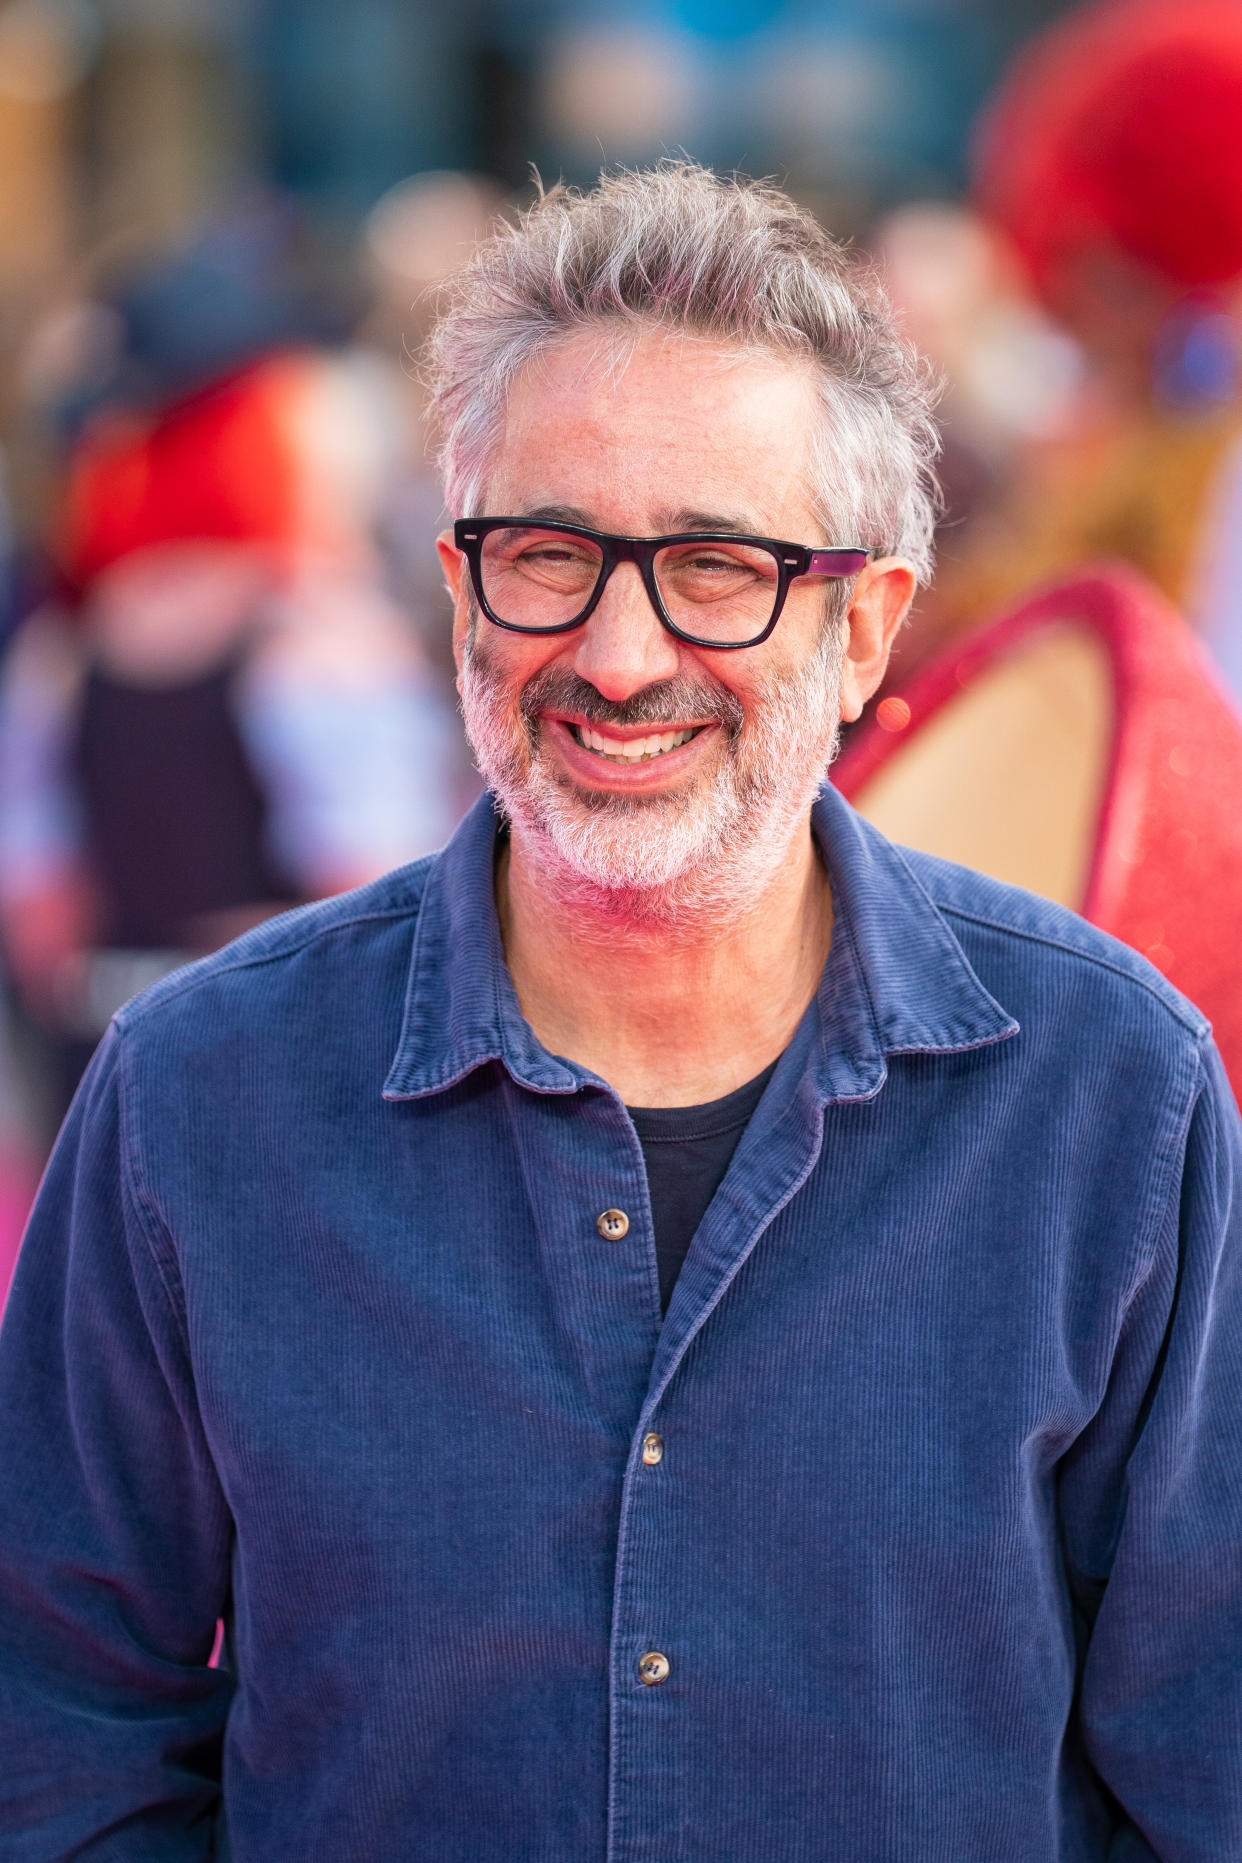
[670, 1330]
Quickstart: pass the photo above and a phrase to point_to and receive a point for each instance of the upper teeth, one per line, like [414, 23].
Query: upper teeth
[634, 749]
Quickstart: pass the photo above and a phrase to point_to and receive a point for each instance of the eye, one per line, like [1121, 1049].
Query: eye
[706, 564]
[532, 552]
[552, 553]
[705, 560]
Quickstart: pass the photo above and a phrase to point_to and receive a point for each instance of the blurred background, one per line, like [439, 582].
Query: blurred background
[225, 683]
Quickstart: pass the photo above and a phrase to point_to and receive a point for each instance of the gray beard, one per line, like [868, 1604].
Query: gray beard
[693, 856]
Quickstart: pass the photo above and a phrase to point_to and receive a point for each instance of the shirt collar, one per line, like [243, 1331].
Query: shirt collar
[896, 980]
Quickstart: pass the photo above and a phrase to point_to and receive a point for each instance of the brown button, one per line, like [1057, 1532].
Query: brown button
[653, 1667]
[653, 1449]
[613, 1224]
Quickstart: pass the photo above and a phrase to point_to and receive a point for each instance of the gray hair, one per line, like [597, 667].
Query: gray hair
[736, 261]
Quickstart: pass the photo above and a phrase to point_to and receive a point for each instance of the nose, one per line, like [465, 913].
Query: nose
[623, 646]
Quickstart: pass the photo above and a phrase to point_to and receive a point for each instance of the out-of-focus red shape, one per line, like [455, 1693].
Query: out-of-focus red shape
[892, 714]
[18, 1177]
[1122, 120]
[223, 464]
[1164, 872]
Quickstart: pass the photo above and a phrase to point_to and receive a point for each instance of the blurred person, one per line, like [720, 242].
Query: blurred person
[226, 713]
[1014, 382]
[1111, 156]
[671, 1328]
[414, 239]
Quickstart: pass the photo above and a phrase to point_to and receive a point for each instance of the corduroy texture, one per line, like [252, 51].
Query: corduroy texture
[315, 1330]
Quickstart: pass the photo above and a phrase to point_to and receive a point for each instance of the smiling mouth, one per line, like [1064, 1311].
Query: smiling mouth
[633, 749]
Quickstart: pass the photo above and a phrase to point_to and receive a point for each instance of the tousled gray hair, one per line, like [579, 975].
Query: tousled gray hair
[736, 261]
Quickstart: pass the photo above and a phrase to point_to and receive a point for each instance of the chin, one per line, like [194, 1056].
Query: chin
[681, 858]
[628, 843]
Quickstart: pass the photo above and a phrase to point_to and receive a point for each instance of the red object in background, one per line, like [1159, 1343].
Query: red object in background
[1164, 873]
[18, 1178]
[223, 465]
[1123, 121]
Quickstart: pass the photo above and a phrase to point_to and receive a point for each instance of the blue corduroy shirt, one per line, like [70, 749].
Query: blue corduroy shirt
[315, 1332]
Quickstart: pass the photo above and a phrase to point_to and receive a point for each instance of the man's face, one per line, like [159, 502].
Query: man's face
[674, 435]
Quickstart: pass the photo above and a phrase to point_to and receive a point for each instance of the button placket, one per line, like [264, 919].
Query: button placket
[644, 1694]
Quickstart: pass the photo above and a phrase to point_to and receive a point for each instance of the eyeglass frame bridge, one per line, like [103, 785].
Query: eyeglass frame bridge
[792, 560]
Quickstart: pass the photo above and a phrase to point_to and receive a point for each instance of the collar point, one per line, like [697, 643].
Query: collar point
[953, 1038]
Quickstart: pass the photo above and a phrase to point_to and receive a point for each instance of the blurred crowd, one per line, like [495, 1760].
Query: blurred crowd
[1085, 311]
[226, 686]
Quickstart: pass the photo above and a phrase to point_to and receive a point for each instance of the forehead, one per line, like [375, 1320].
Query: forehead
[658, 432]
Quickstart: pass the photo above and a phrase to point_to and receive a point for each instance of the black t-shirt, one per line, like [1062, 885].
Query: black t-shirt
[687, 1149]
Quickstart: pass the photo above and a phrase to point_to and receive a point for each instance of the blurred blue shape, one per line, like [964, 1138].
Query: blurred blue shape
[208, 309]
[725, 19]
[354, 97]
[1199, 359]
[237, 290]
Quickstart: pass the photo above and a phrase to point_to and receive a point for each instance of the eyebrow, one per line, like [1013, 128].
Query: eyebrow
[685, 519]
[674, 521]
[557, 514]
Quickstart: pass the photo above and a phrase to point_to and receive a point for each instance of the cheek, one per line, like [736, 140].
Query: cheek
[505, 662]
[745, 675]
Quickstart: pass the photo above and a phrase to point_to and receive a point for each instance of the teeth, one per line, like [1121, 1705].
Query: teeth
[633, 749]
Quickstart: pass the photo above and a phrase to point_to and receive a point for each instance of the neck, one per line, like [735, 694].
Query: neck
[668, 1013]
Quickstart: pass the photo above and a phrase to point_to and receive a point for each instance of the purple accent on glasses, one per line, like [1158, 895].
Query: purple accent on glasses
[836, 562]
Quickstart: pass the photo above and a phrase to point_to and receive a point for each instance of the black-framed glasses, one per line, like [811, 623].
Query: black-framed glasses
[711, 588]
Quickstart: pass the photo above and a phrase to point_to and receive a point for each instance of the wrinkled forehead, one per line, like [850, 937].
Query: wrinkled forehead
[635, 428]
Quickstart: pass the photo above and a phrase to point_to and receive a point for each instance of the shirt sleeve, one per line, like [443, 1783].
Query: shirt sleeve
[114, 1535]
[1161, 1697]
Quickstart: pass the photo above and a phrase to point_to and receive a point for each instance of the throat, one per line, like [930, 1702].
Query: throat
[668, 1014]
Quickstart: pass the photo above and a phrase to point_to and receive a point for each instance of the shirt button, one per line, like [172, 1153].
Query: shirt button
[653, 1667]
[613, 1224]
[653, 1449]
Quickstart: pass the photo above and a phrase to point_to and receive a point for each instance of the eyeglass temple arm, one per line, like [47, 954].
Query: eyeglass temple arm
[836, 562]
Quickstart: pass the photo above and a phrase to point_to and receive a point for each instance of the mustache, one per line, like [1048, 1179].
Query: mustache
[666, 702]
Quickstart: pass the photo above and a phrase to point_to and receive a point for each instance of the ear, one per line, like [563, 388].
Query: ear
[457, 581]
[880, 603]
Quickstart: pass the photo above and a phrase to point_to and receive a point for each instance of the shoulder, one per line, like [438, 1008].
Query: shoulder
[308, 949]
[1046, 948]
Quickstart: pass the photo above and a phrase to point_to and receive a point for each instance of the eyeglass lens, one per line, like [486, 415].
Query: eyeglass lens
[714, 591]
